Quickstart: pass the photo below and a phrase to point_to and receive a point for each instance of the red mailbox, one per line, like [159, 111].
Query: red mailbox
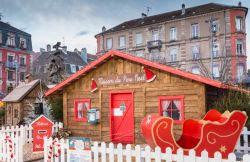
[42, 127]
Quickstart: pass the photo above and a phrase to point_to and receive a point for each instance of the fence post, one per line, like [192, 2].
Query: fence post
[128, 153]
[246, 158]
[138, 153]
[180, 155]
[95, 150]
[119, 152]
[45, 148]
[157, 154]
[231, 157]
[111, 152]
[204, 156]
[62, 147]
[147, 154]
[103, 152]
[245, 139]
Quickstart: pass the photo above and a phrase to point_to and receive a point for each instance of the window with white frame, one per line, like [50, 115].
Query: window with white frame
[139, 53]
[240, 72]
[23, 44]
[239, 24]
[73, 68]
[138, 39]
[11, 39]
[215, 50]
[173, 55]
[11, 58]
[196, 70]
[215, 26]
[173, 34]
[22, 60]
[155, 35]
[195, 30]
[122, 42]
[216, 71]
[239, 47]
[196, 52]
[109, 43]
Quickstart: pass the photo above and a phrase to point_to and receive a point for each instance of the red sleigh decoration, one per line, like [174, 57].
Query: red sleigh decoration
[216, 132]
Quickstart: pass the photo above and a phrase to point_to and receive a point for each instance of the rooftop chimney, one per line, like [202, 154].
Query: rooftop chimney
[48, 47]
[103, 29]
[239, 4]
[143, 15]
[84, 55]
[183, 10]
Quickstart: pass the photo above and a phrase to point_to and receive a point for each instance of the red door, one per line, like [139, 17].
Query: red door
[122, 118]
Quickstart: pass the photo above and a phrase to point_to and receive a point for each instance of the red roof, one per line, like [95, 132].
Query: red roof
[148, 63]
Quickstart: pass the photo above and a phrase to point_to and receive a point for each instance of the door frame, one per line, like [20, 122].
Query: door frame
[110, 110]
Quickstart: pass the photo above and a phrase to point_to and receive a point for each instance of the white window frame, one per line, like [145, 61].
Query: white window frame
[195, 30]
[25, 42]
[195, 52]
[217, 70]
[240, 51]
[73, 68]
[173, 55]
[109, 46]
[196, 70]
[11, 39]
[240, 74]
[155, 35]
[217, 26]
[173, 34]
[138, 39]
[24, 60]
[239, 27]
[122, 44]
[216, 50]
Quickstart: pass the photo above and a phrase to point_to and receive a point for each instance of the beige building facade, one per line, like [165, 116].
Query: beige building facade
[186, 39]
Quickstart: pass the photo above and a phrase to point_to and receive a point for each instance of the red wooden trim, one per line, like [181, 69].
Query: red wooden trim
[112, 53]
[172, 98]
[111, 113]
[75, 107]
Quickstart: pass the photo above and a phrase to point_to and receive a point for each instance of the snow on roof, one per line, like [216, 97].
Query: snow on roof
[21, 91]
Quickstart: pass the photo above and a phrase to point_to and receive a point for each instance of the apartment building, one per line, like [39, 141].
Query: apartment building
[208, 40]
[15, 52]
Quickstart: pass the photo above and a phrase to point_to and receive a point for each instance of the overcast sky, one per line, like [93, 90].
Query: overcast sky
[77, 21]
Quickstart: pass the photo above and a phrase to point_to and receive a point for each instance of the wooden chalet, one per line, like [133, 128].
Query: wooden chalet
[20, 101]
[125, 88]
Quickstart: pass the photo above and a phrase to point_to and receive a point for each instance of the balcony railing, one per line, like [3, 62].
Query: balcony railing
[154, 44]
[10, 65]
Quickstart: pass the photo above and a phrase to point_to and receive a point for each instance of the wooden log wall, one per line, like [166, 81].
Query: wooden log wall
[145, 98]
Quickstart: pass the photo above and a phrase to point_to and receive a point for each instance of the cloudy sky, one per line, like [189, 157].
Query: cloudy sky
[75, 22]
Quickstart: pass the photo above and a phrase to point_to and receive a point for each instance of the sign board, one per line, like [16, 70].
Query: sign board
[42, 127]
[79, 149]
[121, 79]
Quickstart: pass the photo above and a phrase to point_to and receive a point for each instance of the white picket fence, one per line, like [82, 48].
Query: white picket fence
[11, 149]
[243, 145]
[109, 153]
[24, 131]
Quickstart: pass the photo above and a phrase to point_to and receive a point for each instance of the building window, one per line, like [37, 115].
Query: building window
[196, 70]
[11, 40]
[215, 26]
[173, 55]
[22, 60]
[10, 58]
[109, 44]
[73, 68]
[215, 50]
[216, 71]
[173, 34]
[240, 72]
[155, 35]
[138, 40]
[122, 42]
[81, 109]
[23, 44]
[239, 47]
[196, 52]
[10, 75]
[139, 53]
[172, 106]
[239, 24]
[22, 76]
[194, 30]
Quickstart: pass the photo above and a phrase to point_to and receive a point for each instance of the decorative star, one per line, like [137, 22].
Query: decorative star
[223, 148]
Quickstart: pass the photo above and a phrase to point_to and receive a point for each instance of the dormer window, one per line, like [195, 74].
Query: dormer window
[23, 44]
[11, 40]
